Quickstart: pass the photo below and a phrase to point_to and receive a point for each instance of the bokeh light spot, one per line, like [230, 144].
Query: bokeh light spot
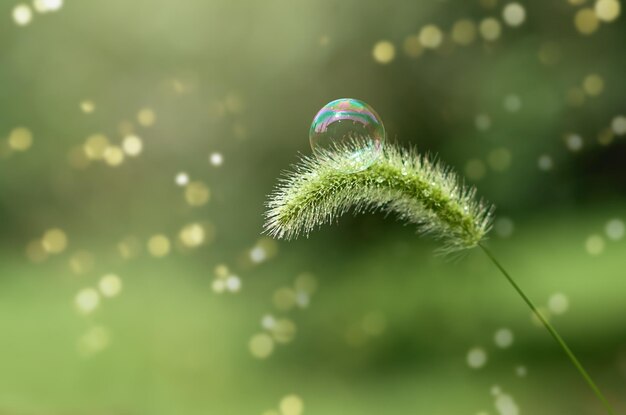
[197, 193]
[261, 345]
[284, 298]
[558, 303]
[54, 241]
[291, 405]
[412, 46]
[483, 122]
[594, 244]
[87, 106]
[503, 338]
[607, 10]
[95, 340]
[490, 29]
[476, 358]
[475, 169]
[182, 179]
[146, 117]
[504, 227]
[46, 6]
[593, 84]
[35, 251]
[20, 139]
[499, 159]
[615, 229]
[605, 136]
[514, 14]
[284, 331]
[545, 162]
[216, 159]
[96, 146]
[192, 235]
[431, 36]
[384, 52]
[22, 14]
[110, 285]
[574, 142]
[618, 125]
[586, 21]
[464, 32]
[114, 156]
[159, 246]
[512, 103]
[87, 300]
[82, 262]
[132, 145]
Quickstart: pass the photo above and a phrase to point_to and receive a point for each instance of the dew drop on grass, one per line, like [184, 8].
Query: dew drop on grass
[349, 122]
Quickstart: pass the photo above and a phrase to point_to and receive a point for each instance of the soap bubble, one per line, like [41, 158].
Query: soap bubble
[352, 123]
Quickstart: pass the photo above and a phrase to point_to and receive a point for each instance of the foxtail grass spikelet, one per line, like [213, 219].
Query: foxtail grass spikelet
[418, 189]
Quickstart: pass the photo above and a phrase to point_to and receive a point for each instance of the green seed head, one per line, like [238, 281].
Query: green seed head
[416, 188]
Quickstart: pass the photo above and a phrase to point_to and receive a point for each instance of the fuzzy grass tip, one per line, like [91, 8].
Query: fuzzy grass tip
[417, 188]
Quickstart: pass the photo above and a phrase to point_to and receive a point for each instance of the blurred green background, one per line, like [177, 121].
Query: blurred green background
[138, 142]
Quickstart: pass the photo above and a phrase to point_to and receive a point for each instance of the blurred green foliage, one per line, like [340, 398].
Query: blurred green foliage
[244, 79]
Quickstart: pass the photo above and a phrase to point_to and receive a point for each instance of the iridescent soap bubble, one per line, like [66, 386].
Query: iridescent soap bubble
[352, 124]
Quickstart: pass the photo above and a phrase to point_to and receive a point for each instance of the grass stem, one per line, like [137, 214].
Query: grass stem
[553, 332]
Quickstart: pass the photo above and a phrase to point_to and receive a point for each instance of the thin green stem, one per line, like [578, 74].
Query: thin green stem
[553, 332]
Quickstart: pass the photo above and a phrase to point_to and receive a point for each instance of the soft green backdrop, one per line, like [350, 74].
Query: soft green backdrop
[244, 79]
